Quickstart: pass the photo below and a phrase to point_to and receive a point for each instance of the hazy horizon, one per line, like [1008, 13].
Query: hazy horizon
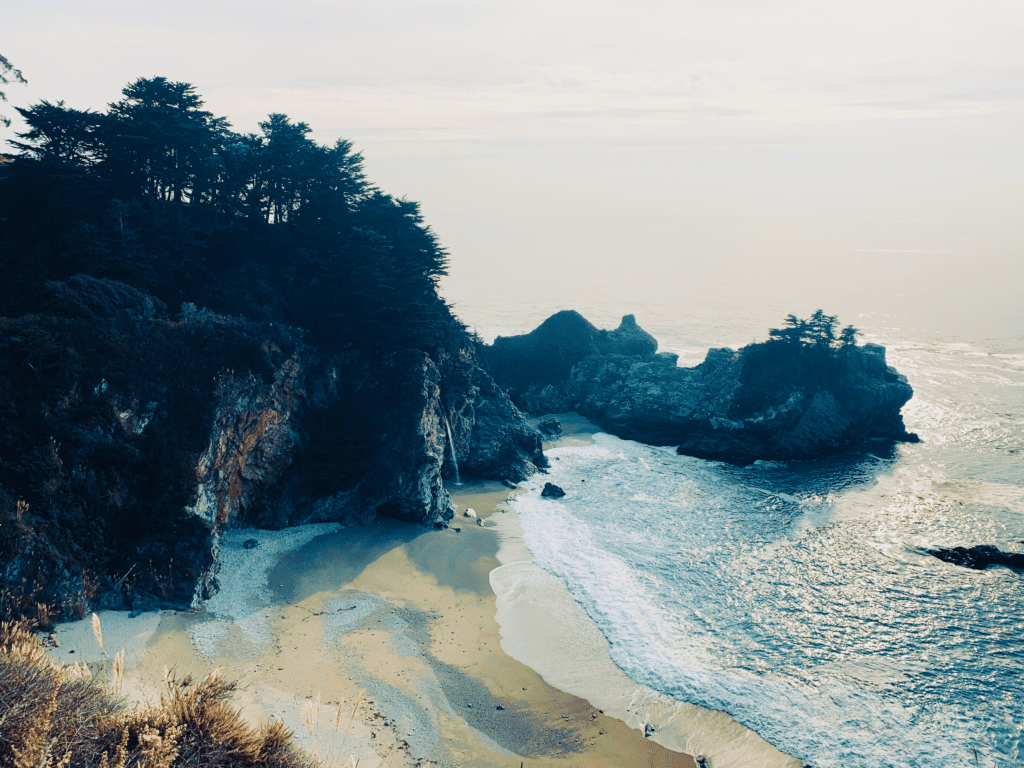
[720, 149]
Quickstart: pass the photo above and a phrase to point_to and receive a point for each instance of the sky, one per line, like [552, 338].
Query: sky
[723, 147]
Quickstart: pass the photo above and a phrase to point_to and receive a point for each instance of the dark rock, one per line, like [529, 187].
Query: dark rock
[552, 491]
[702, 761]
[250, 544]
[979, 557]
[145, 603]
[168, 431]
[491, 436]
[550, 427]
[774, 401]
[500, 708]
[628, 339]
[648, 731]
[509, 484]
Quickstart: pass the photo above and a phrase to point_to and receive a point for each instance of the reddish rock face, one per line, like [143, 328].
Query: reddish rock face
[131, 439]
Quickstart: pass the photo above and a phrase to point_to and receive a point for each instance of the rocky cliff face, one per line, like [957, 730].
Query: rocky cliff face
[129, 439]
[774, 401]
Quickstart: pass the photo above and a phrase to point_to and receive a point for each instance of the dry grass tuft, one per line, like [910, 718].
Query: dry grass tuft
[53, 716]
[330, 757]
[97, 631]
[118, 671]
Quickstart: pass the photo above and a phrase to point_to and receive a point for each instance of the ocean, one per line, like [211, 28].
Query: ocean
[796, 596]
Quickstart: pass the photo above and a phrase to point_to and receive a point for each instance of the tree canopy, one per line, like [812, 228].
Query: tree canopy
[819, 330]
[159, 193]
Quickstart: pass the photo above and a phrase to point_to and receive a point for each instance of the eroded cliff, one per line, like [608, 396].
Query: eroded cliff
[130, 438]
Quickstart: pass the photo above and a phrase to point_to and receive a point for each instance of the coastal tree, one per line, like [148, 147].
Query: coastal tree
[159, 193]
[818, 331]
[159, 141]
[57, 132]
[822, 329]
[8, 75]
[793, 331]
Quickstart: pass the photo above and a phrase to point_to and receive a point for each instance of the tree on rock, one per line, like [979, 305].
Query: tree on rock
[794, 331]
[823, 328]
[818, 331]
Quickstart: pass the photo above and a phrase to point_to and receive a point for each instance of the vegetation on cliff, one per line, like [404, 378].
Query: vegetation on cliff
[161, 195]
[161, 269]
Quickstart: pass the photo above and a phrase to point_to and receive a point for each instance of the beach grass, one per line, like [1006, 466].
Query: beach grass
[55, 716]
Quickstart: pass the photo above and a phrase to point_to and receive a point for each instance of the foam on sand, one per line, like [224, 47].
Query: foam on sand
[544, 628]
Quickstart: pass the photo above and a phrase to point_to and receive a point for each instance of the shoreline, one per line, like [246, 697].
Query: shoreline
[573, 655]
[427, 632]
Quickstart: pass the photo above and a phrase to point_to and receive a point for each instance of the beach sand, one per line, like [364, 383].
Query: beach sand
[401, 620]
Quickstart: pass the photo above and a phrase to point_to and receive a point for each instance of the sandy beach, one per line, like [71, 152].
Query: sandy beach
[413, 642]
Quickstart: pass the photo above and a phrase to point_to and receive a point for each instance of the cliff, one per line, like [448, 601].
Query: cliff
[775, 401]
[129, 439]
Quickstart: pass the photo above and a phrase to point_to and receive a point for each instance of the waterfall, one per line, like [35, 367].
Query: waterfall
[451, 444]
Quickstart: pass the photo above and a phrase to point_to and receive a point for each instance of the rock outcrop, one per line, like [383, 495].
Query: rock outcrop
[773, 401]
[130, 439]
[491, 436]
[979, 557]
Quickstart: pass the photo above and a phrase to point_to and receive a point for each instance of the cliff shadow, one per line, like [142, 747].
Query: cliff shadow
[461, 561]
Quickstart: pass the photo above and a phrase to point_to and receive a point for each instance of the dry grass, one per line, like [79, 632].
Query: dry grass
[53, 716]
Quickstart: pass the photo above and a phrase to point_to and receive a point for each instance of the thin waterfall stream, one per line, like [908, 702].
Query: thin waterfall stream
[451, 446]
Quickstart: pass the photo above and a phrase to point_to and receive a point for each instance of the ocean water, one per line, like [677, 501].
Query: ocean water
[795, 596]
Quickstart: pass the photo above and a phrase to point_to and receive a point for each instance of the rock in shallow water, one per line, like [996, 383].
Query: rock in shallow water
[552, 491]
[979, 557]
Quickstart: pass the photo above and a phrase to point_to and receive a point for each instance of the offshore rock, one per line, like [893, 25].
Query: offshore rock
[552, 491]
[551, 427]
[772, 401]
[979, 557]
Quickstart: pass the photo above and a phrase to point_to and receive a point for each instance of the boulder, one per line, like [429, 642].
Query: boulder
[552, 491]
[550, 427]
[979, 557]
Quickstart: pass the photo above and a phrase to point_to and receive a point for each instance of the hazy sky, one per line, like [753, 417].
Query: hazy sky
[711, 146]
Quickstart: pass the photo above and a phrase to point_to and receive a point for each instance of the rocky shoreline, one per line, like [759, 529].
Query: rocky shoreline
[774, 401]
[142, 436]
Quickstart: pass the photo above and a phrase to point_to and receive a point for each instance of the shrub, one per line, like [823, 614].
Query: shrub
[55, 716]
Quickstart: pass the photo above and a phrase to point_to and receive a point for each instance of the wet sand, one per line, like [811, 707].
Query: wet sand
[402, 620]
